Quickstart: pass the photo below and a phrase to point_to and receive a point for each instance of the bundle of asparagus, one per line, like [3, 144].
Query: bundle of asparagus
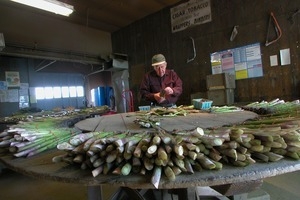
[224, 109]
[171, 112]
[154, 152]
[171, 153]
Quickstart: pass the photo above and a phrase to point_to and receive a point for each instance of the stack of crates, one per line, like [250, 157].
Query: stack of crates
[221, 88]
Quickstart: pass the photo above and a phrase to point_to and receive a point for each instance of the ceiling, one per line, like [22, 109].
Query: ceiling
[105, 15]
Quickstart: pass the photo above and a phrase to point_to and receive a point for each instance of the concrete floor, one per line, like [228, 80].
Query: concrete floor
[14, 186]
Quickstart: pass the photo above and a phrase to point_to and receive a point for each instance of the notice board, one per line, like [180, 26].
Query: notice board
[243, 62]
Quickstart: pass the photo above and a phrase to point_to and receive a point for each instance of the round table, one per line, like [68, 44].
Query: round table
[228, 181]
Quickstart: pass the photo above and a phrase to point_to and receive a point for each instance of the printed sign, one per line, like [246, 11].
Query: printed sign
[188, 14]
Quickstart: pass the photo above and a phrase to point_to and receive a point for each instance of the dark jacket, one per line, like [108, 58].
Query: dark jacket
[152, 83]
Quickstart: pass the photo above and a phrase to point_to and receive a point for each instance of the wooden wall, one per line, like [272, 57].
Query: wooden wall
[152, 35]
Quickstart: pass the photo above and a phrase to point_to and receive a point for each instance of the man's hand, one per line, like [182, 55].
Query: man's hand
[158, 98]
[168, 91]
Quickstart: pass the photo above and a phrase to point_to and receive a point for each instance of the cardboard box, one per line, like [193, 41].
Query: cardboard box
[220, 81]
[221, 97]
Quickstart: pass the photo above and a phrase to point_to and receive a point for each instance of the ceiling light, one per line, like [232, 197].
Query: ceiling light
[54, 6]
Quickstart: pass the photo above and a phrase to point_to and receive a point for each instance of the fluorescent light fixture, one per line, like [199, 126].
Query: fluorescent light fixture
[54, 6]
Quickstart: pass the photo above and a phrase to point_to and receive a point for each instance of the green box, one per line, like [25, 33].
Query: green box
[220, 81]
[221, 97]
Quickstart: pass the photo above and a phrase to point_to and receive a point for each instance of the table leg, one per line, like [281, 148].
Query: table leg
[238, 188]
[153, 194]
[94, 193]
[127, 193]
[185, 193]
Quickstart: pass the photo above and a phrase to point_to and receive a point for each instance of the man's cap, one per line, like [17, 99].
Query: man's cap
[158, 59]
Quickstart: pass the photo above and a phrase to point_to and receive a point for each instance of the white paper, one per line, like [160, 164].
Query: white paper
[273, 60]
[285, 57]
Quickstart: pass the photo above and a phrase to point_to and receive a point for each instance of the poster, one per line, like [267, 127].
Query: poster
[12, 78]
[244, 62]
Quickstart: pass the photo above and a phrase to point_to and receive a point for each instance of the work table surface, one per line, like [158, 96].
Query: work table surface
[125, 121]
[42, 167]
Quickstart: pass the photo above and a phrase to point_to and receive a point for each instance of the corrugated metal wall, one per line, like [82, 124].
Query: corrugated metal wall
[25, 67]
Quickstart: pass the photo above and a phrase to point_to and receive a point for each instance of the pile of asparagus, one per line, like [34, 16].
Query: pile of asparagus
[24, 114]
[276, 106]
[33, 136]
[171, 153]
[157, 151]
[35, 132]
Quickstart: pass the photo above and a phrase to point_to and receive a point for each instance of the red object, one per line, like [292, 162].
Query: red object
[110, 113]
[127, 95]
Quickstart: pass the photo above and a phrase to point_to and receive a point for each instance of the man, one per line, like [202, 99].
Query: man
[161, 86]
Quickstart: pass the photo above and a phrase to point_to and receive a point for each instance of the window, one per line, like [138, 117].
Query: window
[48, 93]
[58, 92]
[40, 93]
[65, 92]
[79, 90]
[72, 91]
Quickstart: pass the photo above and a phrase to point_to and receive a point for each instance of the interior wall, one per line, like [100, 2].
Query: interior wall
[151, 35]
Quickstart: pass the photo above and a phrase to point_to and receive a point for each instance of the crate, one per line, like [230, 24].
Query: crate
[202, 104]
[221, 97]
[144, 108]
[220, 81]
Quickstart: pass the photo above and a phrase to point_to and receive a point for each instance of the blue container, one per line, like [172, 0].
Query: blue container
[99, 96]
[202, 104]
[109, 92]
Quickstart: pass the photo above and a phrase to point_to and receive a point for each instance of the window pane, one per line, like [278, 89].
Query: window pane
[72, 91]
[57, 92]
[65, 92]
[40, 93]
[79, 91]
[93, 97]
[48, 92]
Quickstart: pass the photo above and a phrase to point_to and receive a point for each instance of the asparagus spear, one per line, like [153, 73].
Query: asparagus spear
[155, 179]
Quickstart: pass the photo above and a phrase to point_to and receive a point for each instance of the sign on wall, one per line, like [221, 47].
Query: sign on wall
[188, 14]
[243, 62]
[12, 78]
